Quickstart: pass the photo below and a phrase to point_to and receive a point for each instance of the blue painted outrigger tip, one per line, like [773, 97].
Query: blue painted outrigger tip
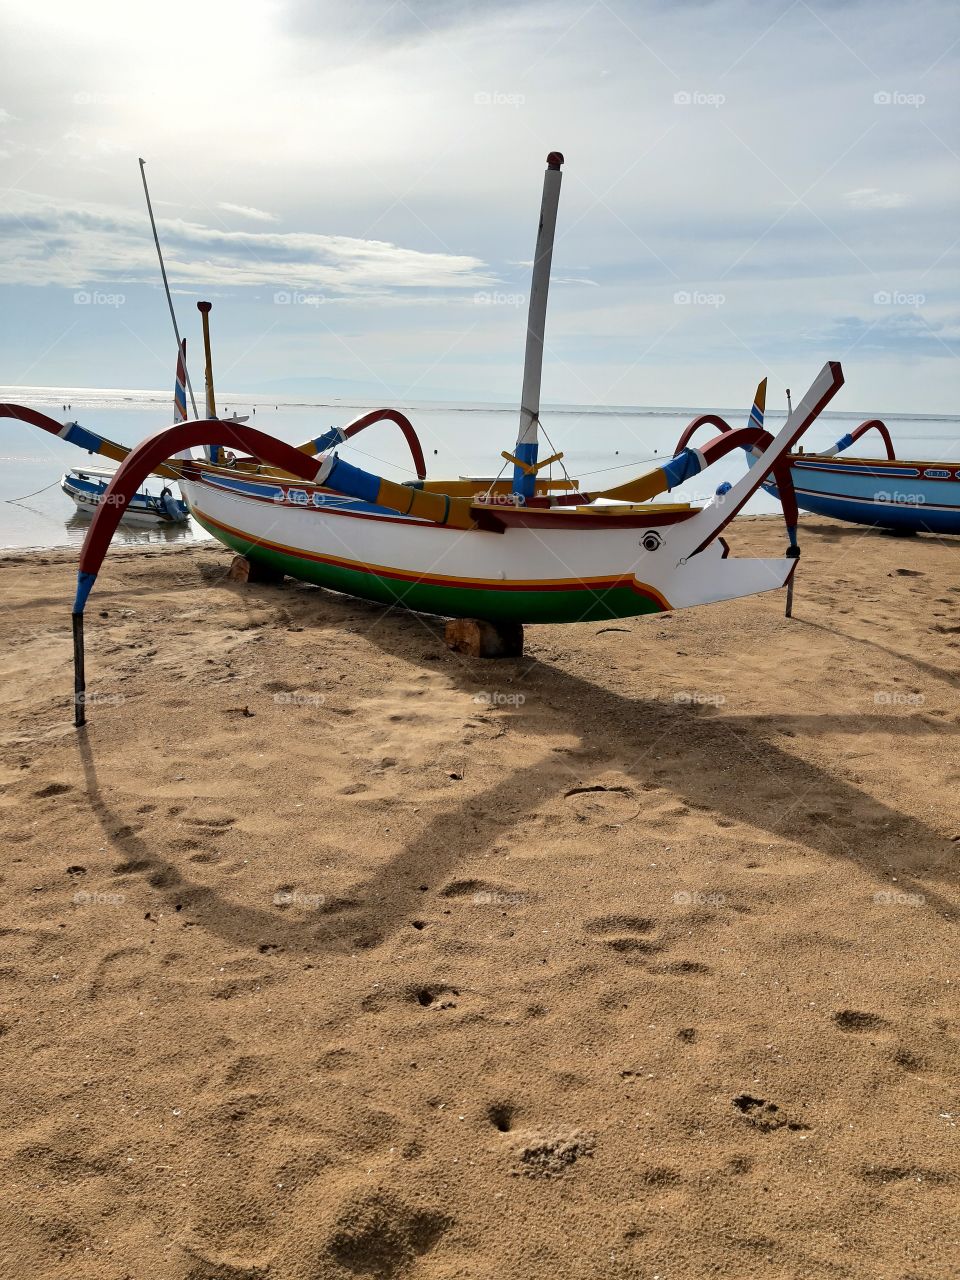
[85, 583]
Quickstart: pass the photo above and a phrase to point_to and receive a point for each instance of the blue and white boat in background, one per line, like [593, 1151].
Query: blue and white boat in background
[87, 486]
[889, 493]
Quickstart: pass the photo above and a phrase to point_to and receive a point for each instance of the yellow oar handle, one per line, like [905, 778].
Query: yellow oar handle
[531, 468]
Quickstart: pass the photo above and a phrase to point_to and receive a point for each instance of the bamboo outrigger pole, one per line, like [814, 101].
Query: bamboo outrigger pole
[525, 469]
[163, 272]
[212, 451]
[204, 309]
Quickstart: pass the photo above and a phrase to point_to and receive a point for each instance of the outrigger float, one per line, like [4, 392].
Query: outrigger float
[505, 551]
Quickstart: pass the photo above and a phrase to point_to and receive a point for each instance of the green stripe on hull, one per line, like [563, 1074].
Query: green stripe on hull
[577, 605]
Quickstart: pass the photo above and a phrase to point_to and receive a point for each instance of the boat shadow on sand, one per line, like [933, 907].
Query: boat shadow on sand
[679, 748]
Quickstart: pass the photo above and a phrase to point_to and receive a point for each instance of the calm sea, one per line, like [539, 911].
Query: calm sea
[602, 446]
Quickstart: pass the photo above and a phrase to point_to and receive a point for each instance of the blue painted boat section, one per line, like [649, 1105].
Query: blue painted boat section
[840, 468]
[292, 494]
[921, 498]
[887, 515]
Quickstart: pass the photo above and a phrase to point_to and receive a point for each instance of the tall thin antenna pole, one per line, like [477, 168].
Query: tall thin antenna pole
[163, 272]
[525, 477]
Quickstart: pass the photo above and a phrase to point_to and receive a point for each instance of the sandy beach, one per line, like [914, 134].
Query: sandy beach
[328, 953]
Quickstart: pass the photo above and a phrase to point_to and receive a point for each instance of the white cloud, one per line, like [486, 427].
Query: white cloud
[247, 211]
[873, 198]
[54, 242]
[82, 147]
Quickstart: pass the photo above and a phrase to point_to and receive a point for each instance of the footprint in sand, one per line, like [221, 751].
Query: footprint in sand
[249, 1071]
[381, 1235]
[337, 1058]
[164, 878]
[763, 1115]
[117, 972]
[436, 996]
[487, 893]
[53, 789]
[184, 846]
[214, 826]
[622, 933]
[132, 866]
[907, 1060]
[858, 1020]
[855, 1021]
[683, 968]
[883, 1175]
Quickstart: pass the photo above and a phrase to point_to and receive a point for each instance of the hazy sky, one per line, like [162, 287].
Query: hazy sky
[750, 188]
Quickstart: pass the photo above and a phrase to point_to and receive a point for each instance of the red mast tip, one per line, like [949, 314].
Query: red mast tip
[204, 306]
[554, 160]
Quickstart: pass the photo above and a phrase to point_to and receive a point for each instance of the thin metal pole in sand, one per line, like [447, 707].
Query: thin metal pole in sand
[79, 680]
[793, 551]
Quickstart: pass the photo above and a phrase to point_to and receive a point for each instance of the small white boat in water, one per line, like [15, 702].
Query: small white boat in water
[87, 486]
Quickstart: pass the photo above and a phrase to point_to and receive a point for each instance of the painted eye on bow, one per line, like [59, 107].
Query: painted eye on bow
[650, 541]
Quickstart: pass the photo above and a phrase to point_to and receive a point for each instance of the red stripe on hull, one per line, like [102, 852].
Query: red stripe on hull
[472, 584]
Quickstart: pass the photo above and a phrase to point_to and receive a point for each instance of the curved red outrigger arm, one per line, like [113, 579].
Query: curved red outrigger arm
[405, 425]
[144, 459]
[704, 420]
[872, 424]
[131, 474]
[730, 438]
[33, 416]
[336, 435]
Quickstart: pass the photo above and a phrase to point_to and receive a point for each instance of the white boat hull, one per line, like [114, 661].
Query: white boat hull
[545, 566]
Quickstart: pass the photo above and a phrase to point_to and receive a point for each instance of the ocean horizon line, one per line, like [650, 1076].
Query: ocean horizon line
[160, 396]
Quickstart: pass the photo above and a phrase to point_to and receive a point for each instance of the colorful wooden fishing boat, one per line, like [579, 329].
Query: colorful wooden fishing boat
[889, 493]
[512, 550]
[88, 486]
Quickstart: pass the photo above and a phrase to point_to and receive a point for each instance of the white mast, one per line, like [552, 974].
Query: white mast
[524, 482]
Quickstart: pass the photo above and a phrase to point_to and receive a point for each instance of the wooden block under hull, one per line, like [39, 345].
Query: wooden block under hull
[244, 570]
[479, 639]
